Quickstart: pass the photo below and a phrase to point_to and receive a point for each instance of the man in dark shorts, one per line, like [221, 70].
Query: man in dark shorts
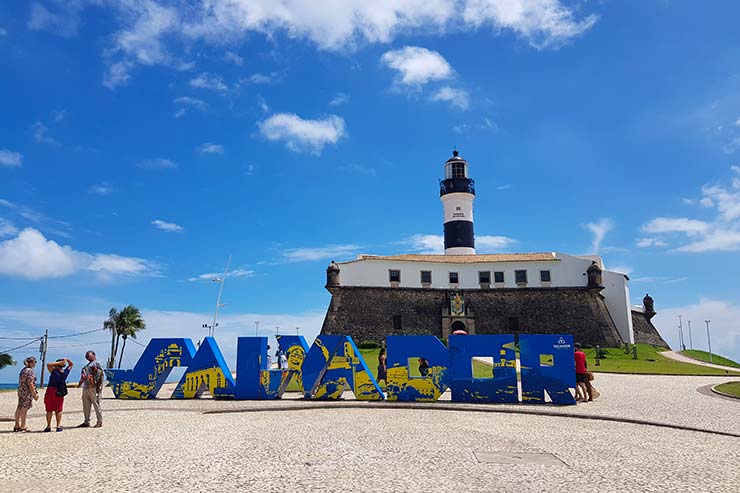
[583, 386]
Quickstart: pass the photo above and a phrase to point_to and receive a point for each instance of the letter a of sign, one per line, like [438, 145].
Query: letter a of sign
[334, 363]
[207, 371]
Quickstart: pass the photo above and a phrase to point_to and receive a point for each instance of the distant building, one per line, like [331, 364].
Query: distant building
[374, 296]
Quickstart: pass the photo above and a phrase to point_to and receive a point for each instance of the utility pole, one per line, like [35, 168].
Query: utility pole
[42, 350]
[709, 341]
[691, 343]
[257, 330]
[297, 329]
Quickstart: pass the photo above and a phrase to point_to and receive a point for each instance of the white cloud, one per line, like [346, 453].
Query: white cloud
[650, 242]
[152, 33]
[724, 325]
[720, 234]
[155, 163]
[58, 115]
[208, 81]
[622, 269]
[168, 227]
[63, 21]
[233, 58]
[356, 168]
[40, 134]
[302, 135]
[319, 253]
[187, 101]
[236, 273]
[259, 79]
[417, 66]
[210, 148]
[117, 74]
[10, 158]
[675, 225]
[101, 189]
[435, 244]
[27, 214]
[543, 23]
[459, 98]
[30, 255]
[7, 228]
[492, 244]
[339, 99]
[599, 229]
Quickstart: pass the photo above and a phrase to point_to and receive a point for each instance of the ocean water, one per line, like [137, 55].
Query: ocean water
[5, 386]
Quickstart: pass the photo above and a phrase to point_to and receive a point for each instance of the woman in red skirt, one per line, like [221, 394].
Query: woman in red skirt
[56, 390]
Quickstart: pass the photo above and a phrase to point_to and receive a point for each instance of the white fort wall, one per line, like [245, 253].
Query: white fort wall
[565, 271]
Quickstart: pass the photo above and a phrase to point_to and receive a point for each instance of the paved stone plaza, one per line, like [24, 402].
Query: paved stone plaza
[153, 445]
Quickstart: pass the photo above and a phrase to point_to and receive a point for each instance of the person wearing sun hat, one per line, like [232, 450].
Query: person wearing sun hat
[27, 393]
[56, 390]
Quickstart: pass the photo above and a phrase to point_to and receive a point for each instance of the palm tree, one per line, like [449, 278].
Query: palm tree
[122, 324]
[110, 324]
[5, 360]
[132, 323]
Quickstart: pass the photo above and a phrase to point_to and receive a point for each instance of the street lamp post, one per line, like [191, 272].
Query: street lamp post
[257, 328]
[691, 343]
[680, 333]
[709, 341]
[297, 329]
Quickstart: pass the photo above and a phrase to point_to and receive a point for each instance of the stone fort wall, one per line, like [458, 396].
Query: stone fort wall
[367, 313]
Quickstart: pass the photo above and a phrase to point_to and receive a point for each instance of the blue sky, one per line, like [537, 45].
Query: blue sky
[143, 142]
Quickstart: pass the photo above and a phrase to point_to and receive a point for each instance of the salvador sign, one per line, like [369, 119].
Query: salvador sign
[333, 364]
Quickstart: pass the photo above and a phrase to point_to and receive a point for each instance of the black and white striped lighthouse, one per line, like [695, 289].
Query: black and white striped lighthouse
[457, 192]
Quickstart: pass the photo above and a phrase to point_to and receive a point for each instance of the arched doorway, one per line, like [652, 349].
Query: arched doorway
[457, 325]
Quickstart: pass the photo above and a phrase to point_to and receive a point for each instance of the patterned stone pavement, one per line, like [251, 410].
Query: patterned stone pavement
[164, 444]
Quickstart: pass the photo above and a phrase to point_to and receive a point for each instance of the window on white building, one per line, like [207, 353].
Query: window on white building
[498, 277]
[426, 277]
[394, 275]
[520, 276]
[484, 277]
[454, 279]
[544, 276]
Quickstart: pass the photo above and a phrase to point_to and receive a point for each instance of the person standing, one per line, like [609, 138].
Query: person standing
[27, 393]
[91, 381]
[583, 386]
[423, 367]
[56, 389]
[382, 369]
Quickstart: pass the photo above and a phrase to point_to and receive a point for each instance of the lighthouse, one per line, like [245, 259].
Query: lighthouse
[457, 193]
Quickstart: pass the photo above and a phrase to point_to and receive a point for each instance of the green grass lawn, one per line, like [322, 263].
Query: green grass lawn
[704, 356]
[731, 388]
[649, 361]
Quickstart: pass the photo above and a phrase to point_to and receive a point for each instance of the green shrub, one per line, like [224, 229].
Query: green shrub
[368, 345]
